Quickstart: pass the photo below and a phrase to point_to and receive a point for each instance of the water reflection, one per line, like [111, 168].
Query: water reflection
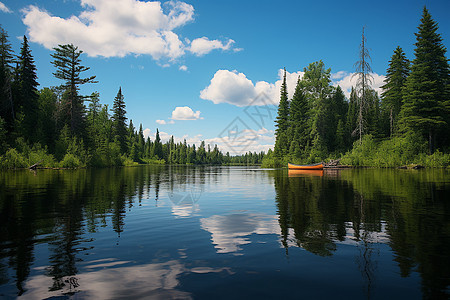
[409, 211]
[230, 232]
[150, 231]
[108, 281]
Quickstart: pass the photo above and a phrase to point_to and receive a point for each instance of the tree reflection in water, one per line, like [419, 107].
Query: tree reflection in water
[409, 211]
[60, 211]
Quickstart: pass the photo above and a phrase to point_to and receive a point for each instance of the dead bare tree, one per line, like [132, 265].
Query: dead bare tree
[363, 82]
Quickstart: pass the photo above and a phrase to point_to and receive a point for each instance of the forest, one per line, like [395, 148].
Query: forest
[57, 127]
[408, 124]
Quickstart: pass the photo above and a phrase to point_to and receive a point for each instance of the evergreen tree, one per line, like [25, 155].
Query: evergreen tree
[67, 61]
[157, 146]
[316, 82]
[299, 120]
[119, 121]
[392, 96]
[131, 140]
[27, 101]
[141, 141]
[352, 118]
[46, 126]
[6, 98]
[282, 121]
[426, 107]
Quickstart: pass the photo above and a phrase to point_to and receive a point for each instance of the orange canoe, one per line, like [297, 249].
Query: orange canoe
[318, 166]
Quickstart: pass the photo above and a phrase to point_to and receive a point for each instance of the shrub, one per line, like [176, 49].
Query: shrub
[13, 159]
[70, 161]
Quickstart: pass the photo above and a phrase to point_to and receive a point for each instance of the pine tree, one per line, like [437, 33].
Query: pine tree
[426, 107]
[282, 121]
[392, 96]
[119, 121]
[67, 61]
[27, 101]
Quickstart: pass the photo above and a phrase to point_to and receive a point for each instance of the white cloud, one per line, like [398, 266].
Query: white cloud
[203, 45]
[346, 81]
[248, 141]
[117, 28]
[236, 89]
[183, 68]
[4, 9]
[185, 113]
[162, 122]
[146, 132]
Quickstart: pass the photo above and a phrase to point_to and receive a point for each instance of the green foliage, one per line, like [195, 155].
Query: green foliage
[13, 159]
[67, 62]
[119, 121]
[3, 142]
[70, 161]
[435, 160]
[394, 152]
[426, 107]
[26, 100]
[392, 96]
[282, 120]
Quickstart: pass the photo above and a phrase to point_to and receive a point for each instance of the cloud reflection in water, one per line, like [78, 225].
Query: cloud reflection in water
[230, 232]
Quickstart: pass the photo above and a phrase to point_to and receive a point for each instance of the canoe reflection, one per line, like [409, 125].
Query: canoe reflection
[302, 173]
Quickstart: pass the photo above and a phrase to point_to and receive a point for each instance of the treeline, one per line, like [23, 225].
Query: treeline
[410, 123]
[59, 127]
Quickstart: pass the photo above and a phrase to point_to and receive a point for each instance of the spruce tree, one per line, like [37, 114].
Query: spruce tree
[282, 121]
[6, 98]
[299, 120]
[352, 117]
[67, 61]
[157, 146]
[392, 96]
[426, 107]
[27, 101]
[119, 121]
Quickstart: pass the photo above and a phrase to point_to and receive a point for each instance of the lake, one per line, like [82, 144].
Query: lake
[184, 232]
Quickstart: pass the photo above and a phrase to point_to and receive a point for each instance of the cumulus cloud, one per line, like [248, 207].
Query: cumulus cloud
[162, 122]
[185, 113]
[183, 68]
[203, 45]
[235, 88]
[111, 28]
[347, 80]
[4, 8]
[146, 132]
[249, 140]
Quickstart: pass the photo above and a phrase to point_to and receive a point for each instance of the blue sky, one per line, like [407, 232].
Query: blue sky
[210, 70]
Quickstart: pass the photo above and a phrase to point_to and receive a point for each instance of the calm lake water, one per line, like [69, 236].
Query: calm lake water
[224, 233]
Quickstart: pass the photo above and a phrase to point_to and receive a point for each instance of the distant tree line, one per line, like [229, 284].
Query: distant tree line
[59, 127]
[411, 118]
